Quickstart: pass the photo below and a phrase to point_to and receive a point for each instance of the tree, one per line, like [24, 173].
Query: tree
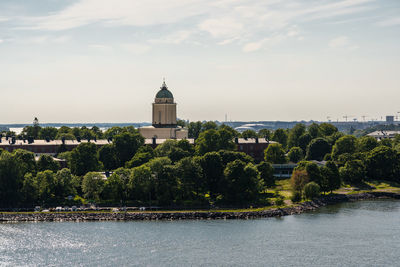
[345, 144]
[116, 186]
[311, 190]
[295, 154]
[108, 156]
[65, 184]
[25, 160]
[167, 186]
[313, 171]
[313, 130]
[317, 149]
[84, 159]
[142, 184]
[249, 134]
[48, 133]
[211, 164]
[327, 129]
[194, 129]
[295, 133]
[209, 125]
[366, 143]
[46, 162]
[29, 190]
[142, 156]
[298, 180]
[265, 133]
[304, 141]
[92, 186]
[228, 156]
[266, 173]
[213, 140]
[275, 154]
[191, 179]
[46, 184]
[353, 172]
[386, 142]
[281, 137]
[11, 179]
[383, 163]
[174, 149]
[243, 182]
[331, 177]
[126, 144]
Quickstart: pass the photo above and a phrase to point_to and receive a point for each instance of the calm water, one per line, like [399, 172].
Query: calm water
[352, 234]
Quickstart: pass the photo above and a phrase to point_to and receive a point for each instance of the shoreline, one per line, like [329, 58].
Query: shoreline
[195, 215]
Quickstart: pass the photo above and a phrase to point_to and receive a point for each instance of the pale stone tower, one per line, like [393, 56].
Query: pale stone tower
[164, 124]
[164, 109]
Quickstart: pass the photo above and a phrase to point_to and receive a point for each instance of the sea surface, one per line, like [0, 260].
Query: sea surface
[365, 233]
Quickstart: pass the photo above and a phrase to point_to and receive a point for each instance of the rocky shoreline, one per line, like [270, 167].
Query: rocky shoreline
[137, 216]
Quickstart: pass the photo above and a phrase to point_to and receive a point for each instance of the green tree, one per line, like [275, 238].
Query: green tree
[25, 161]
[243, 182]
[92, 186]
[345, 144]
[383, 163]
[249, 134]
[65, 184]
[366, 143]
[327, 129]
[209, 125]
[116, 186]
[213, 168]
[126, 144]
[295, 133]
[313, 130]
[142, 156]
[304, 141]
[311, 190]
[266, 173]
[213, 140]
[46, 184]
[353, 172]
[29, 190]
[11, 180]
[190, 175]
[84, 159]
[295, 154]
[275, 154]
[281, 137]
[48, 133]
[46, 162]
[317, 149]
[265, 133]
[194, 129]
[330, 176]
[228, 156]
[142, 184]
[298, 180]
[108, 156]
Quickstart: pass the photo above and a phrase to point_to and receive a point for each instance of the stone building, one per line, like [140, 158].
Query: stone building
[164, 122]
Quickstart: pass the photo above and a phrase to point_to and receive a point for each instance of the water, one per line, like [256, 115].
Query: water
[363, 233]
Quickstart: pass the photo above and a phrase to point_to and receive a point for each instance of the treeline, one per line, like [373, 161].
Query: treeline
[211, 172]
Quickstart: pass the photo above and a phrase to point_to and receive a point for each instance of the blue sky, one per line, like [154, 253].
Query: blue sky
[103, 61]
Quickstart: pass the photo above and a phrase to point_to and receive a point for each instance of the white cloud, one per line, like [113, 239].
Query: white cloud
[221, 27]
[137, 49]
[389, 22]
[342, 42]
[1, 41]
[251, 47]
[174, 38]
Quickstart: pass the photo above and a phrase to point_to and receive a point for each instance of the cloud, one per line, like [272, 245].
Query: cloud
[1, 41]
[389, 22]
[100, 47]
[136, 49]
[342, 42]
[173, 38]
[221, 27]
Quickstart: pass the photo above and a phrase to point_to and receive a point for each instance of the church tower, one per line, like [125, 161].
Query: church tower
[164, 109]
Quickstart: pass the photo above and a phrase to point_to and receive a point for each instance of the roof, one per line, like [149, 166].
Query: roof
[383, 133]
[164, 92]
[149, 141]
[253, 141]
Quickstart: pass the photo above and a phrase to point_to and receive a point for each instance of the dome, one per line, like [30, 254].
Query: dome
[164, 92]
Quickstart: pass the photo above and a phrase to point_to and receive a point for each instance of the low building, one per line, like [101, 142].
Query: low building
[379, 135]
[253, 147]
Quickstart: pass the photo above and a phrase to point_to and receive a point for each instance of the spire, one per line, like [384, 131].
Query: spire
[164, 85]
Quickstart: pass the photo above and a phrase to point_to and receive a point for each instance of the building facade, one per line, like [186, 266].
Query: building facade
[164, 120]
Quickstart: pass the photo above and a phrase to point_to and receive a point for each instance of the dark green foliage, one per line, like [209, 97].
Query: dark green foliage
[92, 186]
[298, 180]
[304, 140]
[281, 137]
[327, 129]
[311, 190]
[296, 196]
[214, 140]
[142, 156]
[295, 154]
[25, 160]
[330, 176]
[295, 133]
[345, 144]
[48, 133]
[383, 163]
[275, 154]
[249, 134]
[228, 156]
[194, 129]
[386, 142]
[116, 186]
[175, 150]
[353, 172]
[266, 173]
[317, 149]
[126, 144]
[213, 168]
[11, 179]
[108, 156]
[46, 162]
[313, 130]
[243, 182]
[366, 143]
[265, 133]
[84, 159]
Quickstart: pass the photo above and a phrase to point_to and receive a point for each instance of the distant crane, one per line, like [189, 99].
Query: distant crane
[328, 118]
[364, 116]
[345, 117]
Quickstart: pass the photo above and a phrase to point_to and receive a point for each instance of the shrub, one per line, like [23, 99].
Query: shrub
[296, 197]
[311, 190]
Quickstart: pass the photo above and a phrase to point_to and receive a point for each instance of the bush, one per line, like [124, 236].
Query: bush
[296, 197]
[279, 201]
[311, 190]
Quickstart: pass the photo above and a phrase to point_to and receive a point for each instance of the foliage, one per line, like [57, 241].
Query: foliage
[281, 137]
[345, 144]
[295, 133]
[84, 159]
[353, 172]
[295, 154]
[46, 162]
[266, 173]
[298, 180]
[311, 190]
[275, 154]
[317, 149]
[126, 144]
[92, 186]
[383, 163]
[249, 134]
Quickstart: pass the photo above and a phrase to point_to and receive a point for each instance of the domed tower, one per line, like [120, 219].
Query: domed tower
[164, 109]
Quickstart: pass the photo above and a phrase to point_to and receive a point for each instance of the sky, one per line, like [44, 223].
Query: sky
[251, 60]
